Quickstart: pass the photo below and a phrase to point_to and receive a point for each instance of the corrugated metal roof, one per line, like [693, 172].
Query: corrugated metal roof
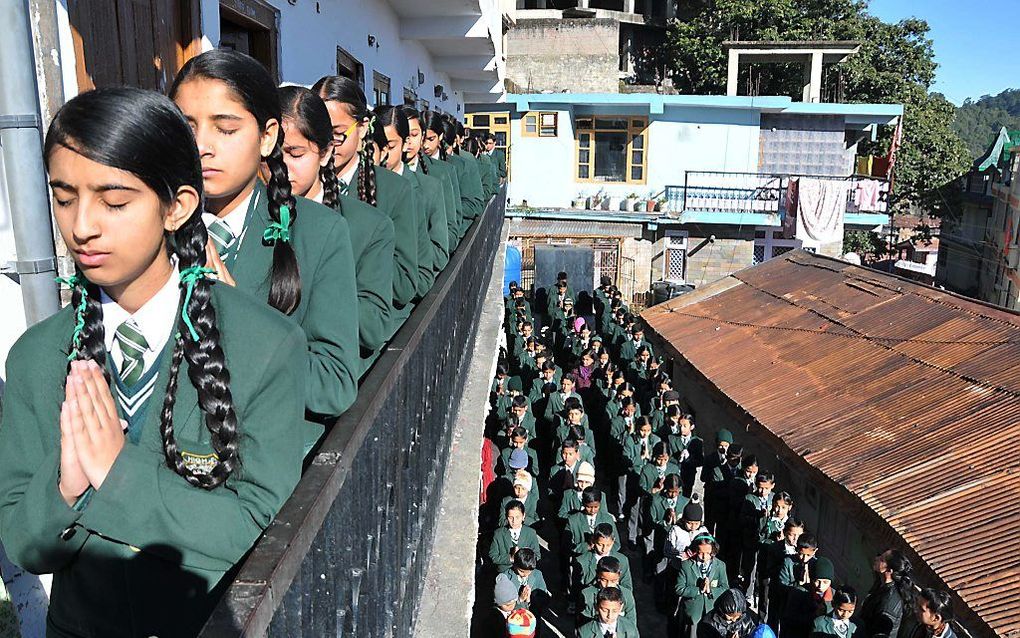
[907, 396]
[571, 228]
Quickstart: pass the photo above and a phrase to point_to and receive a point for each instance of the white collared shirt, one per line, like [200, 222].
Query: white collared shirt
[412, 165]
[603, 628]
[399, 170]
[155, 319]
[348, 176]
[515, 535]
[235, 218]
[318, 196]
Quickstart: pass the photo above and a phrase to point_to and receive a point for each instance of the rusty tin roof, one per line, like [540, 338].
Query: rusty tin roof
[907, 396]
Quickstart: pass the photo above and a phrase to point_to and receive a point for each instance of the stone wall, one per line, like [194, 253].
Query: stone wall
[580, 55]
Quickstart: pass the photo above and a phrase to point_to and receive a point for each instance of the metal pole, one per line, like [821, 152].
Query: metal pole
[21, 143]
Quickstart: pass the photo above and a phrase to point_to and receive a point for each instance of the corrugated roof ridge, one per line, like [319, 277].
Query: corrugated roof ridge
[877, 340]
[987, 477]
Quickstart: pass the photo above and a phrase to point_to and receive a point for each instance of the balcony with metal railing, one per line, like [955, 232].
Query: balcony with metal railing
[762, 199]
[348, 552]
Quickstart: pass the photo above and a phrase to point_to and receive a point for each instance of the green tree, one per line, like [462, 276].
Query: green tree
[895, 65]
[978, 122]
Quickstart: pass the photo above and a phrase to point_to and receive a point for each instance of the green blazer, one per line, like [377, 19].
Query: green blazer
[451, 189]
[142, 556]
[577, 534]
[693, 603]
[499, 157]
[433, 246]
[649, 474]
[372, 239]
[471, 196]
[395, 197]
[588, 564]
[322, 243]
[490, 182]
[625, 628]
[824, 626]
[530, 508]
[499, 550]
[589, 593]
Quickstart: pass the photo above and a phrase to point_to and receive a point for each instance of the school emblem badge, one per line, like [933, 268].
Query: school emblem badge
[200, 463]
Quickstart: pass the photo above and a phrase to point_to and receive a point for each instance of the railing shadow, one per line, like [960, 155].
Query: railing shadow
[346, 555]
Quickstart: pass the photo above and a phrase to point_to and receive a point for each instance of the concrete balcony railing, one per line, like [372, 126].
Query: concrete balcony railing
[347, 554]
[764, 193]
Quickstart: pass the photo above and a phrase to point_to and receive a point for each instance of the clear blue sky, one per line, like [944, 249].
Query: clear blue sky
[975, 42]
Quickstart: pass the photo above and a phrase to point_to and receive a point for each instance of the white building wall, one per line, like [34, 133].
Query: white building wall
[681, 139]
[309, 38]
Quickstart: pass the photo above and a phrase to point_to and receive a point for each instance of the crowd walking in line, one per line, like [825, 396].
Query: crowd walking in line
[603, 504]
[243, 252]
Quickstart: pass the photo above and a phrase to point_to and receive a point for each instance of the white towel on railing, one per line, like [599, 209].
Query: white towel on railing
[868, 195]
[821, 209]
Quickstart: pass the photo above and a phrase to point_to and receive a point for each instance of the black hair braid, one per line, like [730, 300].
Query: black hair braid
[285, 287]
[330, 185]
[422, 163]
[366, 177]
[92, 344]
[207, 371]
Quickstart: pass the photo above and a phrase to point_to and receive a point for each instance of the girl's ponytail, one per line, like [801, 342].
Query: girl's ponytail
[253, 87]
[305, 110]
[366, 175]
[285, 284]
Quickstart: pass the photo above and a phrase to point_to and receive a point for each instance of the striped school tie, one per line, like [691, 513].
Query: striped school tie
[222, 236]
[132, 346]
[345, 188]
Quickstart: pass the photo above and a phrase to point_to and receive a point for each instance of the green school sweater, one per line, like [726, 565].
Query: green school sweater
[488, 174]
[372, 238]
[471, 195]
[588, 564]
[589, 593]
[451, 188]
[625, 628]
[502, 542]
[148, 547]
[693, 603]
[433, 246]
[500, 160]
[395, 197]
[322, 242]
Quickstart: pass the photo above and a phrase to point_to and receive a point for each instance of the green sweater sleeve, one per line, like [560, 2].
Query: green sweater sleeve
[426, 209]
[335, 366]
[438, 225]
[396, 197]
[374, 279]
[470, 191]
[212, 529]
[32, 512]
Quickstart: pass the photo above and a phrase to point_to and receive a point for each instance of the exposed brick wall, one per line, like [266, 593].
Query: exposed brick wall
[578, 55]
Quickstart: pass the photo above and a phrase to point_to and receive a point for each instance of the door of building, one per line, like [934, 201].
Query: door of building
[139, 43]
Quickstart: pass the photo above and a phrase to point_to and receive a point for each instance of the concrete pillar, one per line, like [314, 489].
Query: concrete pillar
[583, 4]
[733, 72]
[630, 6]
[671, 9]
[813, 77]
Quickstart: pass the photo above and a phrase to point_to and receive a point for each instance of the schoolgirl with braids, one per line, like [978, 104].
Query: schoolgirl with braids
[390, 137]
[433, 156]
[292, 251]
[441, 179]
[472, 197]
[358, 174]
[308, 152]
[147, 436]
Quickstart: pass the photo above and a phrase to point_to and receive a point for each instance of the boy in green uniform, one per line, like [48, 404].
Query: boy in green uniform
[514, 535]
[604, 543]
[532, 592]
[497, 155]
[609, 621]
[608, 572]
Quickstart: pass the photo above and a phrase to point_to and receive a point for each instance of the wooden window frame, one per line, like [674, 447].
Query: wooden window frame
[378, 80]
[637, 128]
[258, 14]
[524, 125]
[537, 117]
[344, 59]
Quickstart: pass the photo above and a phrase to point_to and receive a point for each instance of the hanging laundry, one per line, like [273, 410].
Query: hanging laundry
[821, 209]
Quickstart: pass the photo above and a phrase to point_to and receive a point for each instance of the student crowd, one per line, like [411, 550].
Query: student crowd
[601, 478]
[243, 253]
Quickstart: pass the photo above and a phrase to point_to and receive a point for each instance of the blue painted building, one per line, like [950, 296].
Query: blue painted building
[720, 171]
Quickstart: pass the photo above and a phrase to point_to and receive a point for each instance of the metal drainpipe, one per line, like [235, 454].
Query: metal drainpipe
[21, 142]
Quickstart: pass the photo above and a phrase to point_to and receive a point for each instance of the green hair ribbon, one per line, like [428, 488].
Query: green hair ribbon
[190, 277]
[279, 231]
[371, 126]
[76, 281]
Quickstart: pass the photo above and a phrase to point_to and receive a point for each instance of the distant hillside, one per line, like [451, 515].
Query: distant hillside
[977, 122]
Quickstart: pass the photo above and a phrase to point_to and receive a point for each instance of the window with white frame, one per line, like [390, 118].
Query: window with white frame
[674, 257]
[769, 242]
